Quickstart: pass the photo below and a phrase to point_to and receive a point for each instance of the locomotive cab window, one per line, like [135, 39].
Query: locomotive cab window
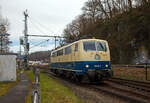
[94, 46]
[89, 46]
[101, 46]
[54, 54]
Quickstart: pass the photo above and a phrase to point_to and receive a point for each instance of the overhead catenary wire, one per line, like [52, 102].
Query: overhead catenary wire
[31, 41]
[34, 41]
[37, 27]
[40, 43]
[41, 25]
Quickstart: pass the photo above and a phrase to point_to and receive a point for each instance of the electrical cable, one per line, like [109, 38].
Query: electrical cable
[36, 27]
[40, 43]
[43, 26]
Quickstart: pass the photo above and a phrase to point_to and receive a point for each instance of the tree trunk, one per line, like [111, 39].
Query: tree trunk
[130, 4]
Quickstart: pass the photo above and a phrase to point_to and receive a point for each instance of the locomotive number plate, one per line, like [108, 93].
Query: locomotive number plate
[97, 66]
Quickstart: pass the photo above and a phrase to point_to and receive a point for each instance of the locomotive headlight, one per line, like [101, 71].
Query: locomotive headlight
[86, 66]
[106, 65]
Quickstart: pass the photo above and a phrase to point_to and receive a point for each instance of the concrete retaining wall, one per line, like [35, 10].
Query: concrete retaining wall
[7, 67]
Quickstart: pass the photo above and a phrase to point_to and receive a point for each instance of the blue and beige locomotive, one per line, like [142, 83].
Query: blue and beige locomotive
[86, 59]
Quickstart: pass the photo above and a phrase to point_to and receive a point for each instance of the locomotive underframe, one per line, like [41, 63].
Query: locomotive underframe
[98, 75]
[94, 75]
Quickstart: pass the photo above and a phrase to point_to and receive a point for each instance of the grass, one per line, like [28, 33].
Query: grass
[54, 92]
[131, 73]
[30, 75]
[5, 87]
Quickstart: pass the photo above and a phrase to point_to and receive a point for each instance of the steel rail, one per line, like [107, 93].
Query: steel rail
[137, 81]
[120, 95]
[137, 66]
[131, 82]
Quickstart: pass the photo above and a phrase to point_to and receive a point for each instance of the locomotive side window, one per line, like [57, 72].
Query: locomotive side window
[76, 47]
[68, 50]
[101, 46]
[60, 52]
[89, 46]
[55, 54]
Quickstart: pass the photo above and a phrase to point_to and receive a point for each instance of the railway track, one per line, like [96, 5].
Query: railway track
[137, 91]
[139, 85]
[126, 93]
[133, 92]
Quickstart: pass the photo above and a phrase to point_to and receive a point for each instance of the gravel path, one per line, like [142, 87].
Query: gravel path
[18, 93]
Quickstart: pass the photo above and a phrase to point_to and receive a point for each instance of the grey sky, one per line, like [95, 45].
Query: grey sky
[54, 15]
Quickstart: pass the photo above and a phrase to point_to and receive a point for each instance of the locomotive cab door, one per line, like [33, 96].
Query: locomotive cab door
[75, 55]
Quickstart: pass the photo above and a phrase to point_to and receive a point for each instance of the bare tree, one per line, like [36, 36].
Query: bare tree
[90, 9]
[4, 22]
[130, 4]
[4, 40]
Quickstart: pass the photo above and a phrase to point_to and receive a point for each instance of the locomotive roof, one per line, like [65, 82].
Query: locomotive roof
[76, 42]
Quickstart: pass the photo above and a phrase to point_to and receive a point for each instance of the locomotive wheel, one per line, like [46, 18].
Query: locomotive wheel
[75, 77]
[67, 74]
[79, 78]
[85, 78]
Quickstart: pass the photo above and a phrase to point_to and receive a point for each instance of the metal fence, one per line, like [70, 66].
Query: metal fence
[36, 87]
[145, 68]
